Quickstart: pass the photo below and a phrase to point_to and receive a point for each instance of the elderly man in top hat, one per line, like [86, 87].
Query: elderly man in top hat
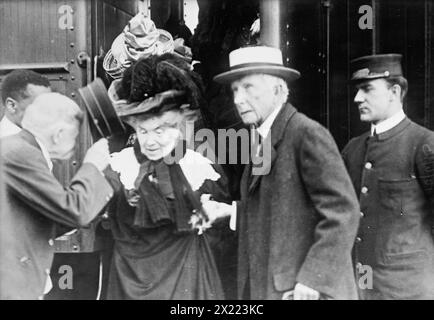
[297, 223]
[392, 168]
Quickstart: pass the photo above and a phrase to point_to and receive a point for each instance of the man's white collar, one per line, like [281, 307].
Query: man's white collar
[265, 127]
[8, 128]
[45, 154]
[389, 123]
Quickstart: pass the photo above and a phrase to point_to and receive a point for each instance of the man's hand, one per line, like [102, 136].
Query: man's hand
[215, 210]
[98, 154]
[301, 292]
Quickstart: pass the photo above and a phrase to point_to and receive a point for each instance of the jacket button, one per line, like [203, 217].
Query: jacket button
[368, 165]
[108, 198]
[51, 242]
[358, 240]
[24, 259]
[362, 214]
[364, 190]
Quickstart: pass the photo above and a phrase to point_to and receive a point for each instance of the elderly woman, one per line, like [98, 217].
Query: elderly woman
[163, 240]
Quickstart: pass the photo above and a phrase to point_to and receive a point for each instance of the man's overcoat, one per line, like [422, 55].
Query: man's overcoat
[35, 203]
[298, 222]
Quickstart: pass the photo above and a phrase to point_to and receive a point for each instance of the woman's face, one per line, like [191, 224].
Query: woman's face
[159, 135]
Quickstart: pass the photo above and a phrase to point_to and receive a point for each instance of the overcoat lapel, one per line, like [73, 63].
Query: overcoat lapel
[277, 131]
[29, 138]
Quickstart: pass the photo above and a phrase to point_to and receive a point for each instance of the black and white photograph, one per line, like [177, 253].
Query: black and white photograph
[233, 151]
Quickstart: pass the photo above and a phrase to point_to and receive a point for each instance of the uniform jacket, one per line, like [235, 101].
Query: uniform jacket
[393, 174]
[298, 222]
[35, 203]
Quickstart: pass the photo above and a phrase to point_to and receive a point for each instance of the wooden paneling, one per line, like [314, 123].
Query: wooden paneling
[302, 51]
[29, 28]
[402, 30]
[340, 106]
[323, 48]
[347, 41]
[34, 36]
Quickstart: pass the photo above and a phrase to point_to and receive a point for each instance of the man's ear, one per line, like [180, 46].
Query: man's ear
[396, 91]
[11, 105]
[57, 135]
[277, 89]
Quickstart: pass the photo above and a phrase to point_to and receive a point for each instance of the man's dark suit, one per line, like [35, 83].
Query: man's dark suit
[394, 175]
[35, 203]
[298, 223]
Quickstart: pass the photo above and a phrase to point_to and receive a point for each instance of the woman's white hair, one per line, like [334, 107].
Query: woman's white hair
[182, 118]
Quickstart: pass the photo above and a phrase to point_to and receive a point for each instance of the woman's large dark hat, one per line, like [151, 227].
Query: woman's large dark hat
[152, 84]
[157, 83]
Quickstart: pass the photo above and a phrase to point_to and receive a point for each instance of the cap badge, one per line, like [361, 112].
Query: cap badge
[362, 73]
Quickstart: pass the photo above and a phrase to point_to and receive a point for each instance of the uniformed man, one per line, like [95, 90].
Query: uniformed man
[392, 168]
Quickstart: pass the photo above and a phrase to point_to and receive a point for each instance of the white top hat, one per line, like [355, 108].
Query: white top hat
[257, 59]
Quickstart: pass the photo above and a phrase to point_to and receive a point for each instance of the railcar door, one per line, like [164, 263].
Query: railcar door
[61, 39]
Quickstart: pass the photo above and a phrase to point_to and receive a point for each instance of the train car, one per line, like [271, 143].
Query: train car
[67, 40]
